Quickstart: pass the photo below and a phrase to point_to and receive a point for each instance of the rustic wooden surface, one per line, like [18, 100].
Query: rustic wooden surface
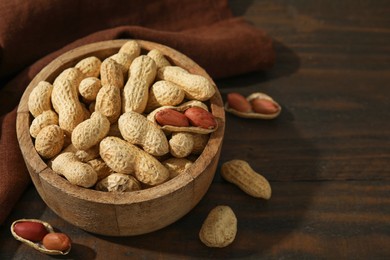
[327, 155]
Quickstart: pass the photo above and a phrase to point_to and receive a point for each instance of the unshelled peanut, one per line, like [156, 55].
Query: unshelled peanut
[46, 118]
[181, 144]
[49, 141]
[177, 166]
[75, 171]
[118, 182]
[123, 60]
[136, 129]
[131, 47]
[65, 99]
[164, 93]
[89, 88]
[195, 86]
[142, 73]
[108, 102]
[100, 167]
[159, 58]
[91, 131]
[200, 142]
[123, 157]
[240, 173]
[40, 98]
[219, 229]
[111, 73]
[89, 66]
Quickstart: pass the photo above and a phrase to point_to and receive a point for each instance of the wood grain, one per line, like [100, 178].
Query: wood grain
[327, 155]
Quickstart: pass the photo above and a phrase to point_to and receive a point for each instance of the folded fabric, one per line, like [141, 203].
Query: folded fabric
[33, 33]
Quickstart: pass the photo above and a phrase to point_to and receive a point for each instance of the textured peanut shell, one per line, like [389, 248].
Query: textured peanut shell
[91, 131]
[37, 246]
[40, 98]
[181, 144]
[253, 114]
[219, 228]
[131, 47]
[118, 154]
[75, 171]
[108, 102]
[142, 73]
[124, 157]
[124, 60]
[49, 141]
[89, 66]
[241, 174]
[164, 93]
[88, 154]
[159, 58]
[111, 73]
[100, 167]
[200, 142]
[65, 100]
[82, 155]
[48, 117]
[181, 108]
[176, 166]
[196, 87]
[89, 88]
[136, 129]
[74, 75]
[118, 182]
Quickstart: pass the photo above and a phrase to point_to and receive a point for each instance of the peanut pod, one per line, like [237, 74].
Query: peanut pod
[241, 174]
[37, 245]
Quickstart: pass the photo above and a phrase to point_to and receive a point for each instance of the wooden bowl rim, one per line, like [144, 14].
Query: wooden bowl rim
[69, 59]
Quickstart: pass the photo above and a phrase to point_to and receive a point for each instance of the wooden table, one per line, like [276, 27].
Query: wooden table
[327, 155]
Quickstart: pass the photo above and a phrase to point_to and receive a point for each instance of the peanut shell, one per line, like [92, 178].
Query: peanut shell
[48, 117]
[142, 73]
[49, 141]
[89, 66]
[181, 108]
[118, 182]
[195, 86]
[37, 246]
[136, 129]
[40, 98]
[253, 114]
[219, 228]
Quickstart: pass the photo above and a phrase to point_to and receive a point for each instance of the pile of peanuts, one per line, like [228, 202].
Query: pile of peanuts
[125, 123]
[133, 121]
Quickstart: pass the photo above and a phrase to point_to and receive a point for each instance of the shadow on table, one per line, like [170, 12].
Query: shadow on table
[273, 148]
[263, 226]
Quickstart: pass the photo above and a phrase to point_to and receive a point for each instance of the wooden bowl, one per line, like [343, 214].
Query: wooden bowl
[114, 213]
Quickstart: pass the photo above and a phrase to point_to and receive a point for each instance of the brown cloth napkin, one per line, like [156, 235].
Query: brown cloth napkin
[33, 33]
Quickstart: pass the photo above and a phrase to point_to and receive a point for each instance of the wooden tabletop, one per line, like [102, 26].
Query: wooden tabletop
[327, 156]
